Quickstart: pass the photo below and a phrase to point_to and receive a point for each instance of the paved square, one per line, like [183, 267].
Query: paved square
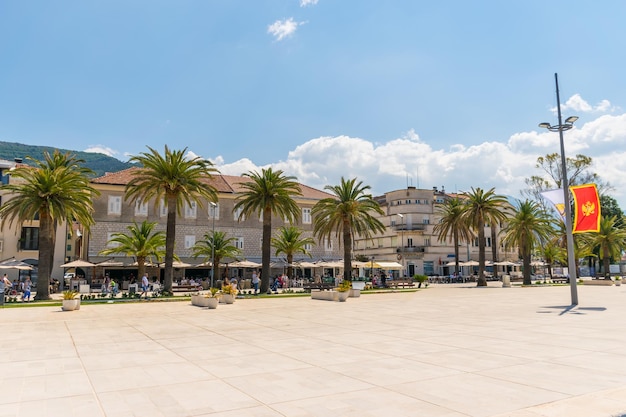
[450, 350]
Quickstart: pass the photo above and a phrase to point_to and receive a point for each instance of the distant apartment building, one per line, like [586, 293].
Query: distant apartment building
[410, 217]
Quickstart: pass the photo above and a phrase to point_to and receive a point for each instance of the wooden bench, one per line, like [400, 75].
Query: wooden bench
[188, 288]
[404, 282]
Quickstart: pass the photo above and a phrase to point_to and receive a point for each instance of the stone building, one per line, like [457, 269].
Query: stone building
[113, 213]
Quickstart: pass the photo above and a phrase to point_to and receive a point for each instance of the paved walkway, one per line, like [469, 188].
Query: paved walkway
[448, 351]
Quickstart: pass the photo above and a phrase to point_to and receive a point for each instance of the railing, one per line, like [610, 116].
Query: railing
[415, 226]
[415, 249]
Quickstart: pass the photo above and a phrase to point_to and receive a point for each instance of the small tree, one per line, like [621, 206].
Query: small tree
[216, 244]
[290, 241]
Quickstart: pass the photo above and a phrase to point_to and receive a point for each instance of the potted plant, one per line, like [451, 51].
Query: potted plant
[228, 294]
[420, 279]
[70, 302]
[618, 281]
[343, 290]
[199, 300]
[213, 297]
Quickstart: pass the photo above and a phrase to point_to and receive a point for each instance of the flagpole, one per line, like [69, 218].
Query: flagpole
[571, 260]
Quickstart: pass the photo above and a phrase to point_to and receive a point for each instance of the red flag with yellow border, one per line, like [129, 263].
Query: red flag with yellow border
[586, 208]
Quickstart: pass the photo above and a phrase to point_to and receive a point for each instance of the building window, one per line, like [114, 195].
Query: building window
[426, 220]
[306, 216]
[111, 244]
[328, 245]
[488, 242]
[141, 208]
[429, 268]
[190, 241]
[115, 204]
[29, 239]
[426, 241]
[237, 213]
[214, 211]
[191, 210]
[163, 208]
[308, 247]
[239, 242]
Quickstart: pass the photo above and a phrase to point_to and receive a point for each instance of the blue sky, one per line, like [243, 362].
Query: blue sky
[445, 93]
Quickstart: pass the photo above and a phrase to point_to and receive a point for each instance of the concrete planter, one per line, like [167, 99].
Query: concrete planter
[358, 285]
[71, 305]
[227, 299]
[324, 295]
[343, 295]
[212, 303]
[199, 300]
[354, 293]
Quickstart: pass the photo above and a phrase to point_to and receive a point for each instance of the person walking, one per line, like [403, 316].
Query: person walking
[144, 286]
[5, 285]
[28, 284]
[255, 281]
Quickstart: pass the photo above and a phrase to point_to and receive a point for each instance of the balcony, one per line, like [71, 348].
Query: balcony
[411, 249]
[409, 227]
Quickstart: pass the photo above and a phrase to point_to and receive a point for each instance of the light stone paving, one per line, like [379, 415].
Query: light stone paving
[447, 351]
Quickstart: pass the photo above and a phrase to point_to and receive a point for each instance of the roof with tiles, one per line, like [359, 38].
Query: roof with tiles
[222, 183]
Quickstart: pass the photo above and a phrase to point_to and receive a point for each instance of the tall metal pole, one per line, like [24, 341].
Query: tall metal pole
[213, 205]
[571, 260]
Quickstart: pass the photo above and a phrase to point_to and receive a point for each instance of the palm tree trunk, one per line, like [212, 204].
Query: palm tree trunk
[170, 241]
[141, 266]
[482, 281]
[266, 250]
[347, 252]
[526, 264]
[456, 252]
[46, 255]
[290, 267]
[606, 260]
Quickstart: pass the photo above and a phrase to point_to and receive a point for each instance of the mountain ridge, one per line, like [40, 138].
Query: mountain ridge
[97, 162]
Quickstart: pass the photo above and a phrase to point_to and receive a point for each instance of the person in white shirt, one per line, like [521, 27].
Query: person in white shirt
[144, 286]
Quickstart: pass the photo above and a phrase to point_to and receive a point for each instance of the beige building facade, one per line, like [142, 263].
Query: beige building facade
[410, 217]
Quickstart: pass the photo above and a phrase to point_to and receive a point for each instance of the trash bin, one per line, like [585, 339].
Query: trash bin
[132, 288]
[506, 281]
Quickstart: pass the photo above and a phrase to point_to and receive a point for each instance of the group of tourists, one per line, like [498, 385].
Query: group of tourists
[15, 287]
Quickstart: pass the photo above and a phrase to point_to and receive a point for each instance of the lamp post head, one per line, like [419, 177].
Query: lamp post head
[213, 204]
[400, 215]
[571, 119]
[545, 125]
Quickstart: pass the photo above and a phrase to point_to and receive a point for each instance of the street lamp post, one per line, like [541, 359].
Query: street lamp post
[561, 127]
[213, 207]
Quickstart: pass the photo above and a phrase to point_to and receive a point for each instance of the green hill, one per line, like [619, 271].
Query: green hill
[97, 162]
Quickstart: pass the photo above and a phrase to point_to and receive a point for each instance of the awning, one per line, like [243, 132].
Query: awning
[387, 265]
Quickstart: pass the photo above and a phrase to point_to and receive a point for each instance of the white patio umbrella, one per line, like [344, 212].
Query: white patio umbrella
[15, 264]
[79, 263]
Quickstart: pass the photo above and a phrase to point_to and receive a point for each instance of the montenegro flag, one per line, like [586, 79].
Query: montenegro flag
[586, 208]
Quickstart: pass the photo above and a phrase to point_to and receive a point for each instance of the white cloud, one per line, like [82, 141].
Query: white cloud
[281, 29]
[304, 3]
[409, 160]
[101, 149]
[577, 104]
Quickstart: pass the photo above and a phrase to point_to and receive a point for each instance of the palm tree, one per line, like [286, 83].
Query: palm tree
[290, 241]
[269, 192]
[551, 253]
[141, 241]
[349, 212]
[527, 228]
[176, 179]
[216, 244]
[56, 189]
[452, 224]
[480, 208]
[611, 240]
